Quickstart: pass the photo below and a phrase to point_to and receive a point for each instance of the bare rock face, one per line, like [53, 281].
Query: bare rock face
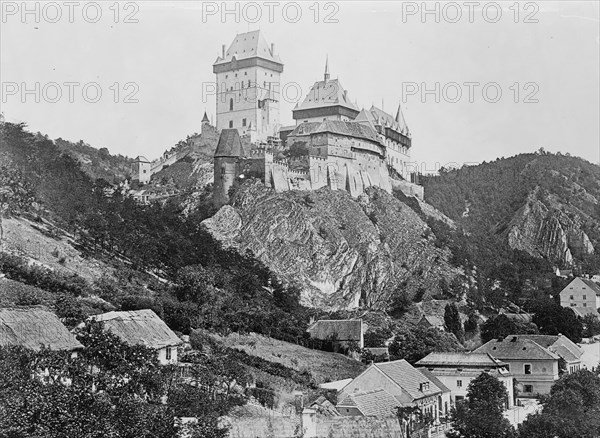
[342, 252]
[548, 232]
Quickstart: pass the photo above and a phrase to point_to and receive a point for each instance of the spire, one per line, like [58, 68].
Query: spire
[400, 120]
[327, 68]
[205, 118]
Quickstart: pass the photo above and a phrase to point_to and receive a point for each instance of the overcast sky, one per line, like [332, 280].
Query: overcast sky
[546, 66]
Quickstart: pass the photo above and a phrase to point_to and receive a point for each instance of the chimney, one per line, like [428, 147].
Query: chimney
[272, 49]
[223, 51]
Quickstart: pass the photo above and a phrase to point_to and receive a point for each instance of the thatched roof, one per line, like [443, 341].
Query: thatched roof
[34, 327]
[137, 327]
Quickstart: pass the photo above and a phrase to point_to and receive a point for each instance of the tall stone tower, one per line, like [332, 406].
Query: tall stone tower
[248, 76]
[228, 163]
[141, 170]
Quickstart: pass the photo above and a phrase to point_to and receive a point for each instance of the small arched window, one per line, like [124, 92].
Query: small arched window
[231, 104]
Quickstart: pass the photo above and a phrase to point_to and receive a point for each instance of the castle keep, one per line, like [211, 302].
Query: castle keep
[333, 144]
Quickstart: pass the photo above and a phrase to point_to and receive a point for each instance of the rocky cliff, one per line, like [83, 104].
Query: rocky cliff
[342, 252]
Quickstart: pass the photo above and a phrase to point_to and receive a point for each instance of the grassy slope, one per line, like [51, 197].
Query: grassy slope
[323, 366]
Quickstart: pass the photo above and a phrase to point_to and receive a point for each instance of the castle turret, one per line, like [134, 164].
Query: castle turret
[228, 159]
[142, 170]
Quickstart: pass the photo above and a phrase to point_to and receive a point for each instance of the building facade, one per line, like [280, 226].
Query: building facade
[582, 295]
[457, 370]
[534, 367]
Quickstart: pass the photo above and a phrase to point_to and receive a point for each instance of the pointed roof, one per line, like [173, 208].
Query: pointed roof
[248, 45]
[141, 159]
[325, 94]
[375, 116]
[230, 144]
[205, 118]
[350, 129]
[326, 76]
[460, 359]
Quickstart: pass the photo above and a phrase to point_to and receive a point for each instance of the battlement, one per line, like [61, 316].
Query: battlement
[317, 158]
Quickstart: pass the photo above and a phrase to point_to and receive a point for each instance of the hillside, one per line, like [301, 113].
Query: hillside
[543, 204]
[342, 252]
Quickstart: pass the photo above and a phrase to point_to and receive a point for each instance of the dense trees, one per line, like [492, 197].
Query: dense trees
[571, 410]
[110, 389]
[501, 326]
[452, 321]
[414, 344]
[552, 319]
[480, 415]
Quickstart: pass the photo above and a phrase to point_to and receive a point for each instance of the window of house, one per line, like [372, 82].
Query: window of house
[226, 76]
[527, 368]
[571, 296]
[231, 124]
[168, 353]
[459, 383]
[528, 388]
[585, 297]
[248, 83]
[584, 304]
[243, 122]
[245, 73]
[231, 105]
[573, 304]
[144, 170]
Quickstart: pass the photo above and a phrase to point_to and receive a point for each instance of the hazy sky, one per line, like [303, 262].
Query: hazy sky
[546, 66]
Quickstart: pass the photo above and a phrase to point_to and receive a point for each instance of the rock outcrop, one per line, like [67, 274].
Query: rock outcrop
[548, 232]
[342, 252]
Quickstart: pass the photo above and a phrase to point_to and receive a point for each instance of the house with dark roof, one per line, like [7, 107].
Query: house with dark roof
[583, 296]
[407, 385]
[34, 328]
[373, 403]
[344, 331]
[534, 367]
[143, 327]
[456, 370]
[566, 349]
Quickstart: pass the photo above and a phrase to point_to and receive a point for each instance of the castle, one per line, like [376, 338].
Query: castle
[333, 144]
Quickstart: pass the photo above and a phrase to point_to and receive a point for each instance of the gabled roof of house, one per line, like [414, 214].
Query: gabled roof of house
[583, 311]
[433, 320]
[137, 327]
[408, 378]
[344, 329]
[34, 327]
[248, 45]
[434, 379]
[461, 359]
[513, 348]
[558, 344]
[595, 287]
[375, 403]
[230, 144]
[325, 94]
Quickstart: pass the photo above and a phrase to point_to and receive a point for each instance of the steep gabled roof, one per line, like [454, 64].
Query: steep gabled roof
[230, 144]
[513, 348]
[558, 344]
[344, 329]
[34, 327]
[137, 327]
[375, 403]
[326, 93]
[408, 378]
[248, 45]
[434, 379]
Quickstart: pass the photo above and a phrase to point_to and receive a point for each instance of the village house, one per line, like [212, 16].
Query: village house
[344, 331]
[431, 321]
[534, 367]
[391, 384]
[456, 370]
[582, 295]
[566, 349]
[143, 327]
[34, 328]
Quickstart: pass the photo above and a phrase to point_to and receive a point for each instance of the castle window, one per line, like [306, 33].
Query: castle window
[584, 304]
[245, 73]
[222, 170]
[226, 76]
[248, 83]
[231, 105]
[585, 297]
[243, 122]
[231, 124]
